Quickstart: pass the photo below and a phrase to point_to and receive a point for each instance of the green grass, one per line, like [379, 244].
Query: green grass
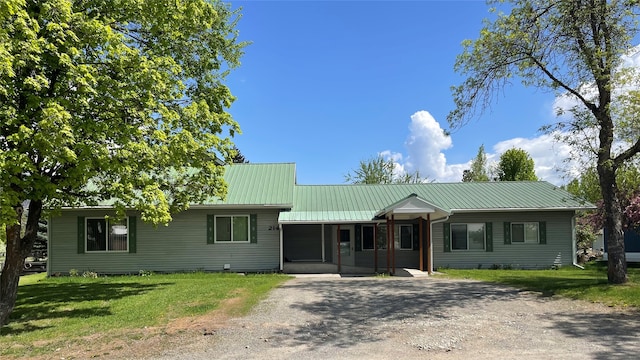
[589, 284]
[64, 311]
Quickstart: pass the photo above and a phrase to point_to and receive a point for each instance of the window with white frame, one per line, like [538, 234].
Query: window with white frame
[467, 237]
[525, 232]
[107, 235]
[368, 238]
[232, 228]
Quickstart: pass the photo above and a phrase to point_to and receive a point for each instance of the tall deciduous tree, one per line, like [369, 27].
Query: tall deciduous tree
[378, 170]
[575, 48]
[478, 171]
[118, 99]
[516, 165]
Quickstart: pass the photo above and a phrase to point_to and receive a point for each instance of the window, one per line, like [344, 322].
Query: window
[232, 228]
[525, 232]
[367, 237]
[107, 235]
[405, 241]
[381, 237]
[467, 237]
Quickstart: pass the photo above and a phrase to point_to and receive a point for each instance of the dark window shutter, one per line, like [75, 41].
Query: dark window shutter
[542, 227]
[133, 234]
[488, 228]
[446, 235]
[416, 239]
[81, 234]
[210, 229]
[253, 226]
[358, 234]
[507, 233]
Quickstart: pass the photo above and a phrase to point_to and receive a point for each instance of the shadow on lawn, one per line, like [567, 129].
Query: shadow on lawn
[64, 300]
[547, 288]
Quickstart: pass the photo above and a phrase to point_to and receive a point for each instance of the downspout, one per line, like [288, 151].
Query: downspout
[48, 245]
[431, 234]
[574, 244]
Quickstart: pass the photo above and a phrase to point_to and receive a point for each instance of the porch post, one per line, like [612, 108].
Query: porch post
[375, 247]
[420, 248]
[393, 243]
[281, 247]
[339, 251]
[429, 250]
[322, 242]
[388, 247]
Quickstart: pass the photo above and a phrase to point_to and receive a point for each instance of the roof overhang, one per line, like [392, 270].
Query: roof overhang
[195, 206]
[460, 211]
[412, 207]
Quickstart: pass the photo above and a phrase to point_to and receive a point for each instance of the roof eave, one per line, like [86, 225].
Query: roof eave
[195, 206]
[568, 208]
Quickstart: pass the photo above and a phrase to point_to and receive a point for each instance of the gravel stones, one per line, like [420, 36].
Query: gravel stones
[416, 318]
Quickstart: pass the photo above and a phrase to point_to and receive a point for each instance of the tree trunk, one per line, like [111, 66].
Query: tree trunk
[617, 262]
[18, 248]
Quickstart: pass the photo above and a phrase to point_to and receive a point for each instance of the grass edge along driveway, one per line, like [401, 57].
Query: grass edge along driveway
[589, 284]
[65, 312]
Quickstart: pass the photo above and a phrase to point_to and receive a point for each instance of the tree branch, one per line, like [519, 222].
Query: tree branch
[627, 154]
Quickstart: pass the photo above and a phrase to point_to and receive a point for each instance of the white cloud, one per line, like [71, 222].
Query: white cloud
[424, 146]
[553, 159]
[427, 142]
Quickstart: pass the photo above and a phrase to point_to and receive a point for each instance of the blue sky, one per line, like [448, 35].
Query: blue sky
[326, 84]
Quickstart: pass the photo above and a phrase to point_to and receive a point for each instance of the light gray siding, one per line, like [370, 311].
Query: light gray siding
[558, 247]
[180, 246]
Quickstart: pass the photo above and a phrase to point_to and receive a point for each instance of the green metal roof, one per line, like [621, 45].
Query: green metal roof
[259, 184]
[342, 203]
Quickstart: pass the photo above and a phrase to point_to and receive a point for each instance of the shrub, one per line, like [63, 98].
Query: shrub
[90, 274]
[145, 272]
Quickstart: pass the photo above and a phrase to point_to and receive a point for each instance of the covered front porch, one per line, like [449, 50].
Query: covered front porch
[364, 245]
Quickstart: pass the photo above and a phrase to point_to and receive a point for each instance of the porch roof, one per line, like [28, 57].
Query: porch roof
[351, 203]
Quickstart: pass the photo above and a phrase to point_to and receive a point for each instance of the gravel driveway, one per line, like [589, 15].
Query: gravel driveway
[418, 318]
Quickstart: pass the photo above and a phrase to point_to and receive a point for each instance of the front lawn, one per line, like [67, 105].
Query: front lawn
[589, 284]
[62, 312]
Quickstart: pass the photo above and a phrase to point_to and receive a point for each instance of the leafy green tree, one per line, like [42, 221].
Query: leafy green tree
[378, 170]
[478, 171]
[575, 48]
[411, 178]
[586, 186]
[110, 99]
[516, 165]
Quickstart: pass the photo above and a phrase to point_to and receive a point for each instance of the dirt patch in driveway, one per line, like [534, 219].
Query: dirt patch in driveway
[411, 318]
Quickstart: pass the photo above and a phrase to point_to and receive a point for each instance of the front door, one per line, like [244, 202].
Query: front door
[346, 245]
